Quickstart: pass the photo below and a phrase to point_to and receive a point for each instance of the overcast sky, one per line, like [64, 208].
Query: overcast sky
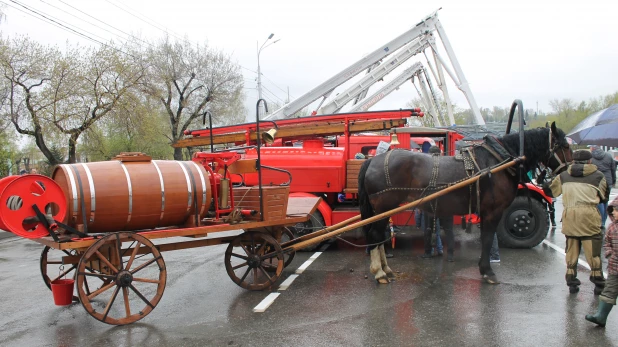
[533, 50]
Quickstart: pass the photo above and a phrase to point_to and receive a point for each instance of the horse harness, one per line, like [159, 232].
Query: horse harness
[471, 167]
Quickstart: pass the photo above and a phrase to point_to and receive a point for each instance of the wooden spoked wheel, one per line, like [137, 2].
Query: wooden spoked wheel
[254, 260]
[287, 235]
[51, 263]
[121, 278]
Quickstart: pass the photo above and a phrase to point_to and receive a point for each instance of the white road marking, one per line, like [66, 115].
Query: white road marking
[262, 306]
[287, 282]
[306, 264]
[561, 251]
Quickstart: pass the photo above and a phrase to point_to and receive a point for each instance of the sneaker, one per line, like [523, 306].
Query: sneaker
[494, 260]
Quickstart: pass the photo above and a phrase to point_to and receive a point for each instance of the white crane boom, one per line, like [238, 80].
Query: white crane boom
[424, 27]
[363, 93]
[392, 85]
[460, 81]
[407, 52]
[415, 40]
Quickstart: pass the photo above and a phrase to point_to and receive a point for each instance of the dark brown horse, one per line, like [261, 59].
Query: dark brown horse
[390, 179]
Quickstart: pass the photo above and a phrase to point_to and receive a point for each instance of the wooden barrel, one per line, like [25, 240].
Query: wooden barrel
[133, 194]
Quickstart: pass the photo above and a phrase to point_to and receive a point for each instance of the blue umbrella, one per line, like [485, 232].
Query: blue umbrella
[600, 128]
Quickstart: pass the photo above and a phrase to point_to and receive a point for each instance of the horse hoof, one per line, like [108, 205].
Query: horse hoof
[383, 281]
[390, 275]
[491, 279]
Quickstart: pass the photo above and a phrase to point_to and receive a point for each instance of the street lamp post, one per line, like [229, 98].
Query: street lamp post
[259, 72]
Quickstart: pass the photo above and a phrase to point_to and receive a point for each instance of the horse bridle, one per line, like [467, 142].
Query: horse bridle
[562, 165]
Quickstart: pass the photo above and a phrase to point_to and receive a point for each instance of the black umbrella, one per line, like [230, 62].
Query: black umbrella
[600, 128]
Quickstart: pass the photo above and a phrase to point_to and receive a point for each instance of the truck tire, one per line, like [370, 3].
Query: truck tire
[315, 223]
[523, 224]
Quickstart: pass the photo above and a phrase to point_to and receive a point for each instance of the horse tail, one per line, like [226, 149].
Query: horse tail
[363, 197]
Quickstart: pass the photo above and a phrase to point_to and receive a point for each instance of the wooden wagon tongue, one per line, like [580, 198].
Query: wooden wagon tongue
[133, 192]
[342, 227]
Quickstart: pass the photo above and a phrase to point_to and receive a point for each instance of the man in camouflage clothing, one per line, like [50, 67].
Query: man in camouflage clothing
[583, 187]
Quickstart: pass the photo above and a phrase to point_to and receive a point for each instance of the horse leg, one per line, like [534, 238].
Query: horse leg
[387, 270]
[376, 266]
[375, 236]
[488, 230]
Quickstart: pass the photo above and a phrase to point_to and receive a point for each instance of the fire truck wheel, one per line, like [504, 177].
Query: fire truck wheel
[315, 223]
[523, 224]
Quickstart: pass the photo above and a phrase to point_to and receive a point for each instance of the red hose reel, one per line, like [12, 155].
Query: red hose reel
[18, 195]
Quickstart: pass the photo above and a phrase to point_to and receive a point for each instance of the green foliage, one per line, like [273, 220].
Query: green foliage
[7, 156]
[142, 130]
[567, 113]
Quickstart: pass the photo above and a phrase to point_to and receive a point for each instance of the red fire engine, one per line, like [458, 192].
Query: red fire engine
[319, 152]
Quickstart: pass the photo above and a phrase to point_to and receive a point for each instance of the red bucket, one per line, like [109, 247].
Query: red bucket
[63, 291]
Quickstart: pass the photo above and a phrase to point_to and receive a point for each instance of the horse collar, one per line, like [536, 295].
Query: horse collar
[498, 148]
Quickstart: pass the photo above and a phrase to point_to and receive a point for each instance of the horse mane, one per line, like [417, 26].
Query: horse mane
[536, 145]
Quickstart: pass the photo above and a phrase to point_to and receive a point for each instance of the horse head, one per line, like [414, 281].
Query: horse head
[560, 154]
[546, 147]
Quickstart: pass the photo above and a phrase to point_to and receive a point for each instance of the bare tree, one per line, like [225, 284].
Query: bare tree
[27, 69]
[52, 94]
[98, 82]
[564, 107]
[188, 80]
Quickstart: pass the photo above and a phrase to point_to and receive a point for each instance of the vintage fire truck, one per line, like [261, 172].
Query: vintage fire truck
[319, 152]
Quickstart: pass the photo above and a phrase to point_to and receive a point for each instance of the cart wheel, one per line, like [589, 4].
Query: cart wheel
[126, 265]
[254, 260]
[51, 260]
[286, 236]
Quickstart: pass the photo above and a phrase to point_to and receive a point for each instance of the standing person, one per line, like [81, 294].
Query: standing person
[607, 299]
[583, 187]
[494, 252]
[606, 164]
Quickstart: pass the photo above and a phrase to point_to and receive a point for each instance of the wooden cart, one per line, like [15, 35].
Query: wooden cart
[120, 277]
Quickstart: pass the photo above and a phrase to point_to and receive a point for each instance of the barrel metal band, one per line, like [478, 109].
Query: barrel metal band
[126, 173]
[93, 200]
[203, 187]
[67, 169]
[188, 186]
[154, 162]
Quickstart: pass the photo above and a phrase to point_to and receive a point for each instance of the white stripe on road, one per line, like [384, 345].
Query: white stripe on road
[262, 306]
[287, 282]
[561, 251]
[306, 264]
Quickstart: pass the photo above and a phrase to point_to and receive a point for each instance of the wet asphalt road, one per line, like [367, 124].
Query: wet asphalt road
[433, 302]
